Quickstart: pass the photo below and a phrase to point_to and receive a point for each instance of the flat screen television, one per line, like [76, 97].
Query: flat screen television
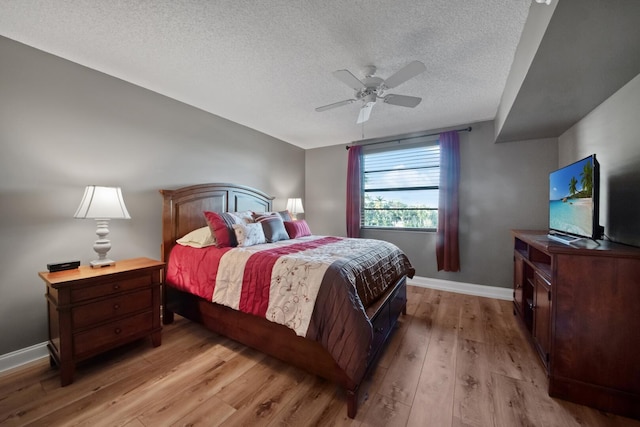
[574, 201]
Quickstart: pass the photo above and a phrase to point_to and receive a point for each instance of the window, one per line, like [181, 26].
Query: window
[400, 185]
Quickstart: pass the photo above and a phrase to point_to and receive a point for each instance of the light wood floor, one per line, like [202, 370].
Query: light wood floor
[455, 360]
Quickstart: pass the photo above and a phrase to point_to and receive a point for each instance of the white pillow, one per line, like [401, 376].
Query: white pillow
[200, 238]
[249, 234]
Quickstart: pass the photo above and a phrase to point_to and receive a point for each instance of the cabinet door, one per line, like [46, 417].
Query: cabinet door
[518, 282]
[542, 317]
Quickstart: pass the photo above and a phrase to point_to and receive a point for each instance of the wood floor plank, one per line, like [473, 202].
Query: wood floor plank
[511, 403]
[96, 376]
[402, 377]
[59, 398]
[134, 395]
[20, 398]
[134, 423]
[13, 381]
[208, 383]
[474, 395]
[476, 367]
[507, 344]
[496, 324]
[192, 378]
[433, 402]
[212, 412]
[266, 399]
[307, 405]
[387, 412]
[244, 389]
[471, 323]
[335, 413]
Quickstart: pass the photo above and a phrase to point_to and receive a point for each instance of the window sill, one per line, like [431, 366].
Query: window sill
[413, 230]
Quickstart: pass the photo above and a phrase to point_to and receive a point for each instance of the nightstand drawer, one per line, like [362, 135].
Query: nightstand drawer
[80, 293]
[112, 334]
[93, 313]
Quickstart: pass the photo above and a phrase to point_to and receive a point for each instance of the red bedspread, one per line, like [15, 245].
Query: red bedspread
[317, 286]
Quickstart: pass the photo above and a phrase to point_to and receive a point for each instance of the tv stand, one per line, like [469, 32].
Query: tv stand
[579, 307]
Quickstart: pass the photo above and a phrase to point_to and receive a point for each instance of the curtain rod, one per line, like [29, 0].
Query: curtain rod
[468, 129]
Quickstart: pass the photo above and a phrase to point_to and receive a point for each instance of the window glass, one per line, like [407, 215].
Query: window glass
[401, 186]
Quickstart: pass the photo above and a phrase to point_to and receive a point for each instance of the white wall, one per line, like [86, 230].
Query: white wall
[502, 187]
[610, 131]
[62, 127]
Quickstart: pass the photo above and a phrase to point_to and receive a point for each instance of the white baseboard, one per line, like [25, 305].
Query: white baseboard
[38, 351]
[23, 356]
[463, 288]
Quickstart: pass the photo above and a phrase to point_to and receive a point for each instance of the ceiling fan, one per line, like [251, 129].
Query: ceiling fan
[373, 88]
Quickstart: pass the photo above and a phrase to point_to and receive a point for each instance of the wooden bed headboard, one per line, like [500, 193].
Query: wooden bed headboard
[182, 209]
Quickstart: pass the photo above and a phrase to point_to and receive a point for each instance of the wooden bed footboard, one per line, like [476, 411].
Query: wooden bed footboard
[281, 342]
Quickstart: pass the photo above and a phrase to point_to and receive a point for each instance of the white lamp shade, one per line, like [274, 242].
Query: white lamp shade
[102, 203]
[294, 206]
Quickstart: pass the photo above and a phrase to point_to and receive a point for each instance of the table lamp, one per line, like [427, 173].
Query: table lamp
[294, 206]
[102, 204]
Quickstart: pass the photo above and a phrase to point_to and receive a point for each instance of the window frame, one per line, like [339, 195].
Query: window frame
[390, 145]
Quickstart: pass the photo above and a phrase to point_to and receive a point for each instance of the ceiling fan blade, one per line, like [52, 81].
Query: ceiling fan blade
[409, 71]
[335, 104]
[349, 79]
[365, 112]
[402, 100]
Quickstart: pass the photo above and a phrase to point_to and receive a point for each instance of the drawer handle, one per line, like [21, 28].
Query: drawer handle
[116, 286]
[116, 306]
[117, 330]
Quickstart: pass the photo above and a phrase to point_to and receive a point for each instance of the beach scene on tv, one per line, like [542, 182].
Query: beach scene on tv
[571, 198]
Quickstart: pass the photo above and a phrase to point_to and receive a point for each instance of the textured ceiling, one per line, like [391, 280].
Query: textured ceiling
[268, 64]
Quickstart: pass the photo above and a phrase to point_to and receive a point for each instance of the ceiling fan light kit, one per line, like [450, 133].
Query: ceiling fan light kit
[372, 88]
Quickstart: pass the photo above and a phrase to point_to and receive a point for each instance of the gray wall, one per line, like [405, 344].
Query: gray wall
[503, 186]
[532, 34]
[610, 131]
[62, 127]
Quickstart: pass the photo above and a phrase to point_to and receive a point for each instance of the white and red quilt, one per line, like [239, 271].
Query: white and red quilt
[318, 286]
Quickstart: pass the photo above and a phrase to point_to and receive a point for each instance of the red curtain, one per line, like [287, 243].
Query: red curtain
[354, 190]
[447, 251]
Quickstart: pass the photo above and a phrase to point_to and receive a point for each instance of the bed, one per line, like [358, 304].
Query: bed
[316, 352]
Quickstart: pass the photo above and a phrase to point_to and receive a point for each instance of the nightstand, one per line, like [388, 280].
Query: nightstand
[92, 310]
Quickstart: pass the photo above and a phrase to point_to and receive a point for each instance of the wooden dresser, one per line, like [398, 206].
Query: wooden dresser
[92, 310]
[581, 307]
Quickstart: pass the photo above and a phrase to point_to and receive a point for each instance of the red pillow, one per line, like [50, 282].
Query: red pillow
[221, 225]
[298, 228]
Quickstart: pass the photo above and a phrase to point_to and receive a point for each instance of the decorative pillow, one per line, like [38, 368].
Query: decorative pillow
[221, 225]
[245, 216]
[249, 234]
[273, 226]
[285, 215]
[199, 238]
[298, 228]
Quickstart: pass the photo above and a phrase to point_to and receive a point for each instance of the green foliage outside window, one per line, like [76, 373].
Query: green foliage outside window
[379, 212]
